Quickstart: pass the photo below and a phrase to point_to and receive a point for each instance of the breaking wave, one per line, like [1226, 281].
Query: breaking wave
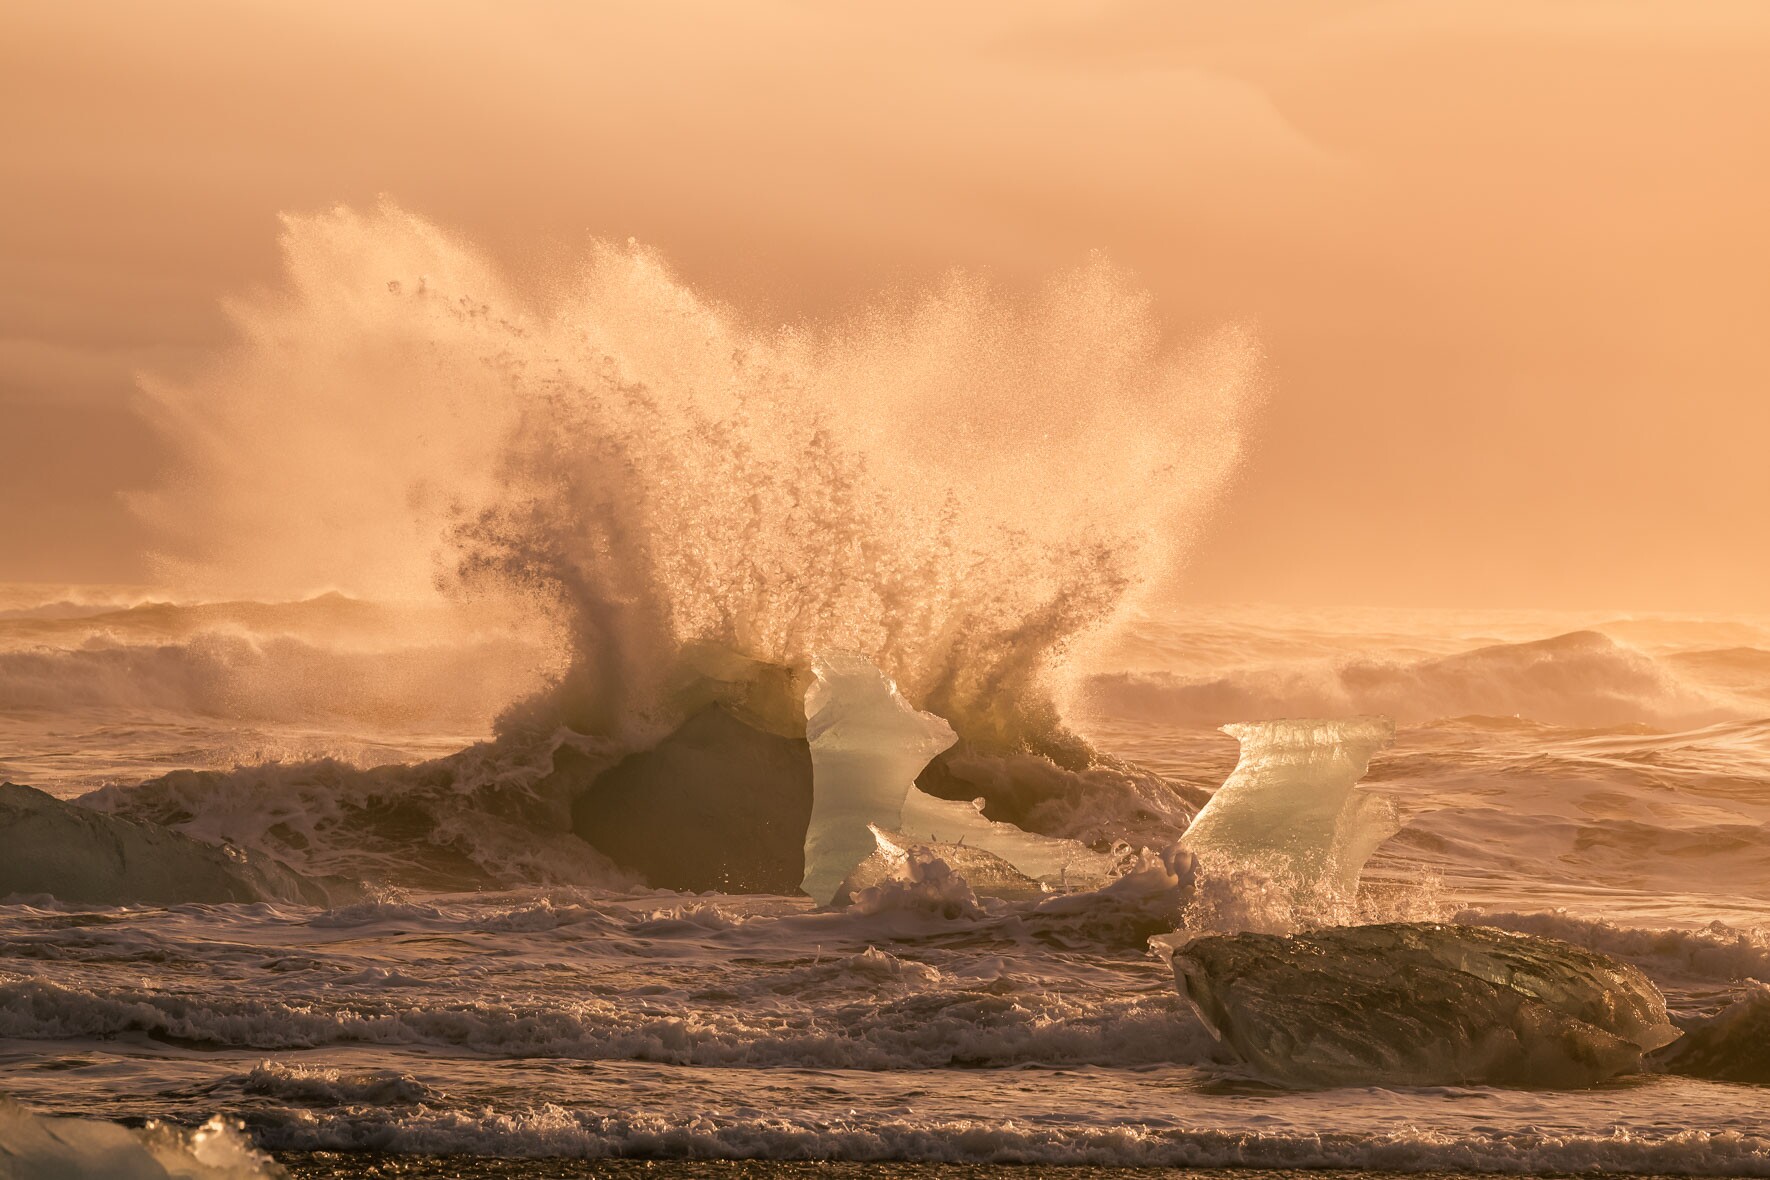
[1580, 679]
[671, 488]
[557, 1131]
[329, 658]
[1684, 959]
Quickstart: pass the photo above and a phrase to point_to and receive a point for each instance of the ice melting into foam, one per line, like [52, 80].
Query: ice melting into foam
[868, 745]
[1053, 861]
[1292, 809]
[39, 1148]
[896, 855]
[922, 881]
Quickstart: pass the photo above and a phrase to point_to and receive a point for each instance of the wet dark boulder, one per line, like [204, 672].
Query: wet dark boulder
[718, 805]
[1421, 1004]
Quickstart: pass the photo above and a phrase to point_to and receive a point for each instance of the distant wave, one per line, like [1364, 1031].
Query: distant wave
[240, 676]
[1582, 678]
[149, 618]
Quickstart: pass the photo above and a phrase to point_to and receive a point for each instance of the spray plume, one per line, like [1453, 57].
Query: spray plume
[960, 485]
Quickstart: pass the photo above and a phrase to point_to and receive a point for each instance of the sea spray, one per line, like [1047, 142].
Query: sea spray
[959, 485]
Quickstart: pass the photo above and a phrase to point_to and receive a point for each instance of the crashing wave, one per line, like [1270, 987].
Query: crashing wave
[1420, 1004]
[645, 474]
[652, 492]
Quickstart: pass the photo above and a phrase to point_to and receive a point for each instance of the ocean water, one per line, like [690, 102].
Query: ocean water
[571, 519]
[1603, 779]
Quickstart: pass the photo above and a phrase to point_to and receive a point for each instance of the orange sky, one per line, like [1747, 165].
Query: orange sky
[1510, 262]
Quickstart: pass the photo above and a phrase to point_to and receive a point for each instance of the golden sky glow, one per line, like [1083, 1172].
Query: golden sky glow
[1509, 263]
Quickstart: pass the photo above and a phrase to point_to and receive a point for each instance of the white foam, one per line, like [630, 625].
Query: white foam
[552, 1130]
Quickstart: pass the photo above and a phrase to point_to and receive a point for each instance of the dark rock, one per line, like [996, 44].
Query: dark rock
[717, 805]
[1420, 1004]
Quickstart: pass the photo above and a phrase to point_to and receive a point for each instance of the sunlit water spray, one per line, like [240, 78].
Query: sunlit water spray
[960, 485]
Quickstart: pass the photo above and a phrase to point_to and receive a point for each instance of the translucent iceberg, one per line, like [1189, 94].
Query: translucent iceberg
[1292, 808]
[39, 1148]
[1420, 1004]
[868, 745]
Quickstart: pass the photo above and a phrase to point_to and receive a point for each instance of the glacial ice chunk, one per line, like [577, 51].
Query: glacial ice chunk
[868, 745]
[719, 804]
[44, 1148]
[80, 855]
[1422, 1004]
[1292, 807]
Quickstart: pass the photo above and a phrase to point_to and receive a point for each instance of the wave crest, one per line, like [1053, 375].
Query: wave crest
[1583, 678]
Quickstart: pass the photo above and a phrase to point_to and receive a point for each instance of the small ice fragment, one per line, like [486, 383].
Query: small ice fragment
[868, 745]
[921, 882]
[1055, 862]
